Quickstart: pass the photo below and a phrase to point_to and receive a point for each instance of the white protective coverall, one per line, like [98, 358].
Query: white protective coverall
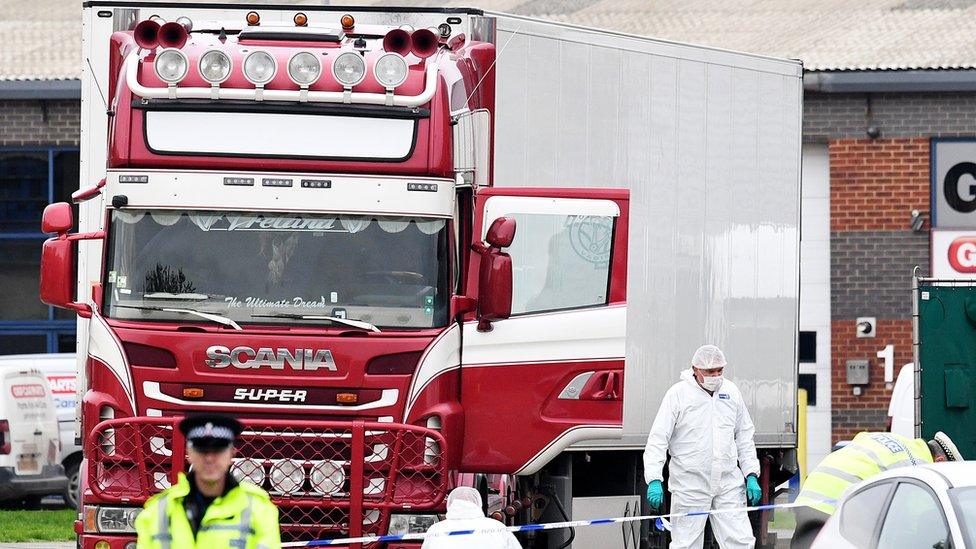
[464, 513]
[710, 441]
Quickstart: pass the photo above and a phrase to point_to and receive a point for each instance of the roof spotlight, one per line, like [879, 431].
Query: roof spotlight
[304, 68]
[390, 70]
[215, 66]
[259, 67]
[349, 69]
[170, 66]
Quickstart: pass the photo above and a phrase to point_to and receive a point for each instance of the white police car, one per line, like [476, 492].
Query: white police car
[931, 506]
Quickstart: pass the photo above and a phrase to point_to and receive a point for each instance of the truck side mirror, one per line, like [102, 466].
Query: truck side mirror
[57, 218]
[58, 260]
[495, 276]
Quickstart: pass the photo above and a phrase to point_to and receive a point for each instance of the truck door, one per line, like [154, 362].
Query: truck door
[551, 374]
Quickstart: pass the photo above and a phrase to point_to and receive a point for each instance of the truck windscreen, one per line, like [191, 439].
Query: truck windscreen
[392, 272]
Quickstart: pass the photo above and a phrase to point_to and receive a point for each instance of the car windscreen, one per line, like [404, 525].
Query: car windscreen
[964, 502]
[392, 272]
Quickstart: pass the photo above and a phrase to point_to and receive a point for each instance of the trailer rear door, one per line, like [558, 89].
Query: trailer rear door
[552, 373]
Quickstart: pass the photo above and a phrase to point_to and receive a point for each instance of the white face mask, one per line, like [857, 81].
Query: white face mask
[711, 383]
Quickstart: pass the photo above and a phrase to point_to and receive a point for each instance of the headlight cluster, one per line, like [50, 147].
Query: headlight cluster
[260, 67]
[410, 524]
[111, 520]
[289, 476]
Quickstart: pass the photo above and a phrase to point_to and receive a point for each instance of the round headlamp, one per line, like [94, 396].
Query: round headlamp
[259, 67]
[390, 70]
[287, 476]
[304, 68]
[327, 477]
[248, 469]
[215, 66]
[170, 66]
[349, 69]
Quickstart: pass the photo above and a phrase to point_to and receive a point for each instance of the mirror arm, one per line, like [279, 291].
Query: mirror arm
[82, 195]
[97, 235]
[83, 310]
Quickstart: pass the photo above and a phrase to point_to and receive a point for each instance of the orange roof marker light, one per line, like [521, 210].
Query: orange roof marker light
[253, 18]
[301, 20]
[347, 21]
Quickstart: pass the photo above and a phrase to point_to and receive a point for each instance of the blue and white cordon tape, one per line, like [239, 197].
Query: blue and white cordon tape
[661, 520]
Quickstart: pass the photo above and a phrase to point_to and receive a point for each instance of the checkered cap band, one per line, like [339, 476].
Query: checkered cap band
[211, 431]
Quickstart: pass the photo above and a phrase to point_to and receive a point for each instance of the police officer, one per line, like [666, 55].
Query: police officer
[867, 455]
[208, 507]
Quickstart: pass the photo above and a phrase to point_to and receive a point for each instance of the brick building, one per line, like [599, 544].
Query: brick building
[40, 44]
[886, 83]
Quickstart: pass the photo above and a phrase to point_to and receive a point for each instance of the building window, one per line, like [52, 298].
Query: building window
[30, 179]
[809, 382]
[808, 347]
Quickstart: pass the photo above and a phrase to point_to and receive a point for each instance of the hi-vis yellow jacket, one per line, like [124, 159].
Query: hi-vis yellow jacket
[244, 518]
[867, 455]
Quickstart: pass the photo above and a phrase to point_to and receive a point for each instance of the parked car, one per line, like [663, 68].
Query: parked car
[931, 506]
[29, 439]
[61, 373]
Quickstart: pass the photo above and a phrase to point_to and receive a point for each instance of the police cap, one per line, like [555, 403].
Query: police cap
[210, 431]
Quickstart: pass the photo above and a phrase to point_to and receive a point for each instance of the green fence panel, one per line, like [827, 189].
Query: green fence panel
[947, 359]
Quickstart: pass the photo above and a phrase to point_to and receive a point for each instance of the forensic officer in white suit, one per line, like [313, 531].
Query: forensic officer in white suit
[705, 427]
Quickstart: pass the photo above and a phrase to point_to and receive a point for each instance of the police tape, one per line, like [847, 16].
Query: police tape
[537, 527]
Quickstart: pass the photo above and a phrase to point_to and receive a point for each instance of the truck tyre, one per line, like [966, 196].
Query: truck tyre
[73, 491]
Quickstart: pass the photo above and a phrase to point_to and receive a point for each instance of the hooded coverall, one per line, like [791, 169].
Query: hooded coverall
[710, 439]
[464, 513]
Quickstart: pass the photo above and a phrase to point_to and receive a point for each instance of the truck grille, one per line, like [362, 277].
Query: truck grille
[329, 479]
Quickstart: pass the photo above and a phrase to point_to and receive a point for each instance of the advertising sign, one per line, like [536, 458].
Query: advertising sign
[953, 184]
[954, 254]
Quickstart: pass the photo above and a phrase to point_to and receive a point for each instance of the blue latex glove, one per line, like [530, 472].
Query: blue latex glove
[655, 494]
[753, 492]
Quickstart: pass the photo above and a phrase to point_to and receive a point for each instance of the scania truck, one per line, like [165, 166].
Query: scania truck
[418, 248]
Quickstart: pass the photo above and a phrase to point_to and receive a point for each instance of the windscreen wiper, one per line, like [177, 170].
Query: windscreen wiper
[209, 316]
[176, 297]
[334, 319]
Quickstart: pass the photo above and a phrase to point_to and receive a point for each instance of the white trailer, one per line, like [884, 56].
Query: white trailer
[709, 143]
